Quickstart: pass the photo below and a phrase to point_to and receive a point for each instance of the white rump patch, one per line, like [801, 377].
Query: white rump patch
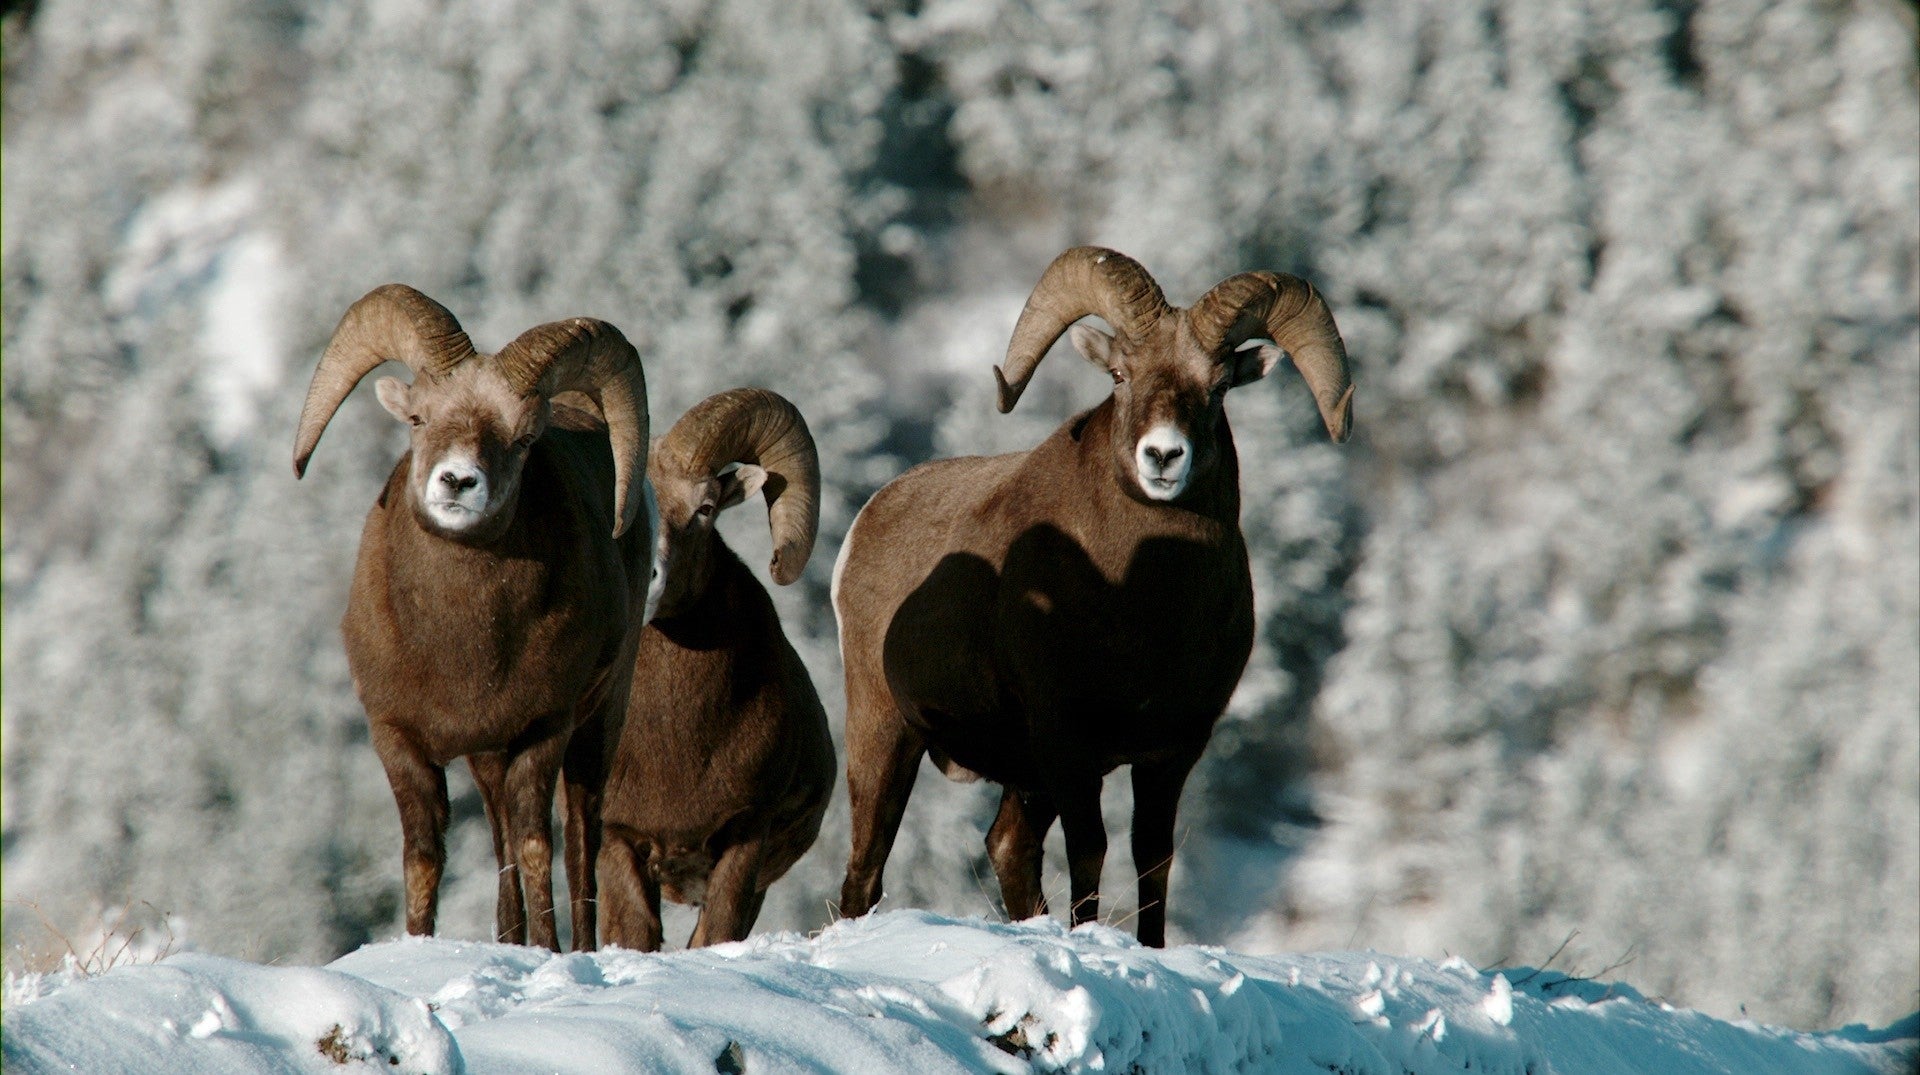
[840, 563]
[1163, 460]
[833, 588]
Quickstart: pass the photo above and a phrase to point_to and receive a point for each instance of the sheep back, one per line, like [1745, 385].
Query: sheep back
[723, 727]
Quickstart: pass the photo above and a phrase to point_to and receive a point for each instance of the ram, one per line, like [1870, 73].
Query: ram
[501, 585]
[723, 769]
[1044, 617]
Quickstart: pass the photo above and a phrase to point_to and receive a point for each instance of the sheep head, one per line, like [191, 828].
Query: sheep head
[474, 417]
[1171, 368]
[725, 449]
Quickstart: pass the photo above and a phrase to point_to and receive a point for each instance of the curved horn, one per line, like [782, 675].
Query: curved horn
[392, 322]
[1084, 280]
[753, 425]
[589, 356]
[1291, 313]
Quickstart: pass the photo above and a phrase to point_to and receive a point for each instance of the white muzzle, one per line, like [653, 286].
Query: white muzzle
[456, 494]
[1164, 461]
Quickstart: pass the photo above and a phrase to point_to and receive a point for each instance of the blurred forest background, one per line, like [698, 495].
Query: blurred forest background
[1607, 620]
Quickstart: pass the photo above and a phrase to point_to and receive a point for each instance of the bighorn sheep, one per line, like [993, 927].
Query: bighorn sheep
[723, 770]
[501, 584]
[1043, 617]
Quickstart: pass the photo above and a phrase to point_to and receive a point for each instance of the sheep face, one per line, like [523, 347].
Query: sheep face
[1168, 392]
[689, 505]
[470, 435]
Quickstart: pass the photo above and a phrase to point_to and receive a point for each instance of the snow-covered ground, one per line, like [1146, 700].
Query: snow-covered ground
[899, 991]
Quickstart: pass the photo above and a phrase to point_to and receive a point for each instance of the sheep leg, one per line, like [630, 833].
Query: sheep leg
[1086, 833]
[1015, 846]
[531, 776]
[1156, 798]
[882, 763]
[754, 902]
[731, 887]
[629, 896]
[509, 911]
[580, 834]
[420, 790]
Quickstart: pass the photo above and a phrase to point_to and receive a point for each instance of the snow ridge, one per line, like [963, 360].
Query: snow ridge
[898, 991]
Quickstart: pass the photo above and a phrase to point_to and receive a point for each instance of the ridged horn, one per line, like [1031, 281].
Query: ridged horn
[753, 425]
[391, 323]
[1290, 312]
[591, 357]
[1084, 280]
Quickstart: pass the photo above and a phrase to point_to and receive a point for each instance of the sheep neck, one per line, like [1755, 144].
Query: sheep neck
[709, 615]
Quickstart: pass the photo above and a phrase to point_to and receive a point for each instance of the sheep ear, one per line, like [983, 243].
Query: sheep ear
[393, 396]
[1094, 345]
[740, 483]
[1253, 360]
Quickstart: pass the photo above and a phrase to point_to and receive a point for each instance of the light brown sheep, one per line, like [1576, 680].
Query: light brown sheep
[500, 589]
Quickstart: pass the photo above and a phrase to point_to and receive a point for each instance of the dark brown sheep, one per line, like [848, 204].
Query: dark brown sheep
[722, 773]
[500, 588]
[1044, 617]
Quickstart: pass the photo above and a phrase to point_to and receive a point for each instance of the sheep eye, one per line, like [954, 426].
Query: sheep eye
[705, 511]
[416, 421]
[1118, 377]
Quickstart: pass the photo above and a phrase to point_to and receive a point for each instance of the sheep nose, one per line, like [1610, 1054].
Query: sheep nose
[458, 482]
[1164, 458]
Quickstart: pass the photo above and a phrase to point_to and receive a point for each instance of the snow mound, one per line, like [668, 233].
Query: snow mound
[195, 1012]
[901, 991]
